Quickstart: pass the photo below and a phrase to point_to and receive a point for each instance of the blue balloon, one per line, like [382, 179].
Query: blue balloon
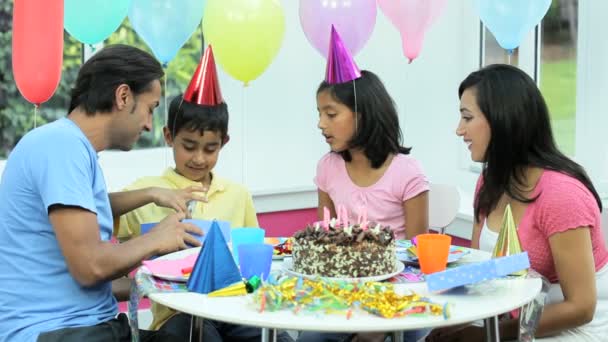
[166, 25]
[510, 20]
[92, 21]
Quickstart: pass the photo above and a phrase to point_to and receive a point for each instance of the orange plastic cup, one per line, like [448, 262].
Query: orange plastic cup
[433, 251]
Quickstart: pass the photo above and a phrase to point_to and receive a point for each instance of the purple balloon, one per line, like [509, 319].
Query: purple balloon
[354, 20]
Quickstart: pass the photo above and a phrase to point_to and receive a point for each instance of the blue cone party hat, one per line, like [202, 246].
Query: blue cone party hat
[340, 66]
[214, 268]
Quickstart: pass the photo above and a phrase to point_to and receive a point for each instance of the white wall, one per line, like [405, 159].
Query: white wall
[275, 144]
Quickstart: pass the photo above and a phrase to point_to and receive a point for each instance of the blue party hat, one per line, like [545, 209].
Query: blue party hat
[214, 268]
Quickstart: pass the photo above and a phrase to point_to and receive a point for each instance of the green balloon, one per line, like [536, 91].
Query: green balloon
[92, 21]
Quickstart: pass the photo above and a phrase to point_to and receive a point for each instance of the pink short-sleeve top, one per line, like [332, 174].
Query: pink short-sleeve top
[402, 180]
[563, 203]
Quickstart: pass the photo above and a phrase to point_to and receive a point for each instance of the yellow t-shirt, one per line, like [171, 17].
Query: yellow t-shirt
[228, 201]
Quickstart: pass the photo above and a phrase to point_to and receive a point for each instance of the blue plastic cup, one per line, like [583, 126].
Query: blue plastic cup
[145, 227]
[245, 235]
[256, 259]
[204, 225]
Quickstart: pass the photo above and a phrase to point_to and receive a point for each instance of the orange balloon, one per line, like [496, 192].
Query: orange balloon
[37, 48]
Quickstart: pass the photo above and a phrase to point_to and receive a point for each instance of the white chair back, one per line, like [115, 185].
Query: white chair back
[444, 202]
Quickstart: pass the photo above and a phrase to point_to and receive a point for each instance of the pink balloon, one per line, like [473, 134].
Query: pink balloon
[354, 20]
[412, 18]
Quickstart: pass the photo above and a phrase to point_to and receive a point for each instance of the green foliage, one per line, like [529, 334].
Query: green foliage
[177, 74]
[17, 115]
[558, 85]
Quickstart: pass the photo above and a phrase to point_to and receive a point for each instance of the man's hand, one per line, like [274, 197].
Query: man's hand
[171, 235]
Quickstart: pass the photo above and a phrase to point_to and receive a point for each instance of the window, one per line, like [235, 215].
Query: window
[548, 54]
[178, 73]
[558, 70]
[17, 115]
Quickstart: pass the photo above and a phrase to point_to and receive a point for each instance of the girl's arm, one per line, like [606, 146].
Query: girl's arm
[325, 201]
[416, 212]
[476, 234]
[573, 258]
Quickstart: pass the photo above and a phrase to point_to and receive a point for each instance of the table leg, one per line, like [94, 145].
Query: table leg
[196, 329]
[269, 335]
[491, 327]
[397, 336]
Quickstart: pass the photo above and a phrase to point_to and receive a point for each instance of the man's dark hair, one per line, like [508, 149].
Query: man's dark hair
[112, 66]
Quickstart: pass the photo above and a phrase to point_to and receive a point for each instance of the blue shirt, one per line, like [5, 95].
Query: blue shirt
[53, 164]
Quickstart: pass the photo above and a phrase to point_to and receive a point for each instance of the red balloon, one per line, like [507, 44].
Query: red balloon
[37, 47]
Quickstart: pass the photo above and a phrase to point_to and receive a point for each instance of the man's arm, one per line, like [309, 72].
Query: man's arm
[91, 260]
[124, 201]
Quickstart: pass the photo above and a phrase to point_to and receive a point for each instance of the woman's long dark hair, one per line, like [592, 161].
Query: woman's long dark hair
[378, 132]
[521, 135]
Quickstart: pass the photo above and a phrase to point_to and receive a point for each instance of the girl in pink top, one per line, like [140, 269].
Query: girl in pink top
[367, 166]
[505, 123]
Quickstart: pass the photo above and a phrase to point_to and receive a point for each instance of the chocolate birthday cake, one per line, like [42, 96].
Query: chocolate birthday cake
[338, 251]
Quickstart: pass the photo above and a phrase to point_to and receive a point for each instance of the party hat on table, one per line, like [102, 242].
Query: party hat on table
[204, 87]
[340, 67]
[236, 289]
[508, 240]
[214, 268]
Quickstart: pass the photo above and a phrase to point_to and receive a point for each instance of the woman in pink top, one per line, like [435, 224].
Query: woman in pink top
[367, 166]
[505, 123]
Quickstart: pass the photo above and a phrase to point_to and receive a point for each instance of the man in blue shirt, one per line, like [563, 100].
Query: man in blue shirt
[56, 216]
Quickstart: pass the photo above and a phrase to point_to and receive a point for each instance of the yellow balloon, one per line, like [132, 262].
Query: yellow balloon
[245, 34]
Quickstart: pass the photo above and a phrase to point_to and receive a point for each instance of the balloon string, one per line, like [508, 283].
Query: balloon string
[356, 110]
[35, 115]
[166, 114]
[244, 135]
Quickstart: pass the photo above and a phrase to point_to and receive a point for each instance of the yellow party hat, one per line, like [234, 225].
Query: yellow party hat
[508, 240]
[236, 289]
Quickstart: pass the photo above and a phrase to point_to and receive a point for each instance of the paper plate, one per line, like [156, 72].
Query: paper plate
[288, 268]
[173, 274]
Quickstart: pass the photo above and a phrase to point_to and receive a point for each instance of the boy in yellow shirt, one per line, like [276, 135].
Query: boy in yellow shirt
[197, 129]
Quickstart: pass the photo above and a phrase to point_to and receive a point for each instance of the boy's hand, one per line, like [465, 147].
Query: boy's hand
[177, 199]
[172, 235]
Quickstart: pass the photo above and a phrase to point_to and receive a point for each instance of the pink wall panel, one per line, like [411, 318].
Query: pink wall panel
[285, 223]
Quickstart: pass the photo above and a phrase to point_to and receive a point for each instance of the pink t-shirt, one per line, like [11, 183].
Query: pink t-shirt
[402, 180]
[563, 203]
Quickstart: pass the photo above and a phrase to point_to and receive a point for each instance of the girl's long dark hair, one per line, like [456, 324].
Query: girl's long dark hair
[378, 132]
[521, 135]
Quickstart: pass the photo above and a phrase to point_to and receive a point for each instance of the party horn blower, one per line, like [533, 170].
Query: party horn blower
[508, 240]
[236, 289]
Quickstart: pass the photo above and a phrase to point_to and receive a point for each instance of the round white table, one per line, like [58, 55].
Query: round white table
[484, 301]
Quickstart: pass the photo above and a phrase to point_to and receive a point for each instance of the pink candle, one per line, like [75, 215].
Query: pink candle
[344, 215]
[363, 223]
[326, 218]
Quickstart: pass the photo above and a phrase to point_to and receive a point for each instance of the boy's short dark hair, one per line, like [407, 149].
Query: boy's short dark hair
[193, 117]
[112, 66]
